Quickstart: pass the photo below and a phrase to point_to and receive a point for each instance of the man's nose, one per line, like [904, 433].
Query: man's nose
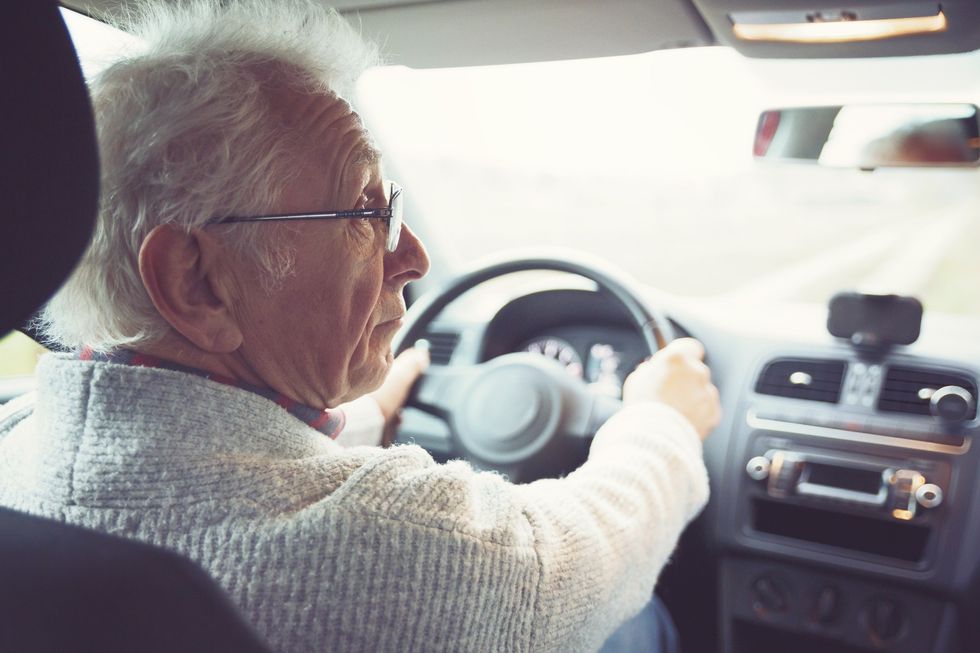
[409, 261]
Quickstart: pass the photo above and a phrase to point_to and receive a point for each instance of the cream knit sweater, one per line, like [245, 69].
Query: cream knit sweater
[327, 548]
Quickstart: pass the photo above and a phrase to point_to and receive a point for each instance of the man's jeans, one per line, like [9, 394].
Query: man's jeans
[651, 631]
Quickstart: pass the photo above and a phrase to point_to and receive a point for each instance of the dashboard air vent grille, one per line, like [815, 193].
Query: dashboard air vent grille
[908, 389]
[442, 344]
[803, 378]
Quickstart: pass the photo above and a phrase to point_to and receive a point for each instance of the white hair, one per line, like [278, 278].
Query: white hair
[188, 131]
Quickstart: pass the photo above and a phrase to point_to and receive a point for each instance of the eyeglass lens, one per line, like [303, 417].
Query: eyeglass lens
[395, 222]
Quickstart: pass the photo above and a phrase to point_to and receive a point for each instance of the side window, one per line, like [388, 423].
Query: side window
[18, 358]
[18, 355]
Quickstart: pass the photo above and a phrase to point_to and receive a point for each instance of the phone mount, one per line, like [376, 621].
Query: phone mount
[873, 324]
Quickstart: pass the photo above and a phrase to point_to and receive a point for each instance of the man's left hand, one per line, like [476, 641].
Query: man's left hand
[391, 396]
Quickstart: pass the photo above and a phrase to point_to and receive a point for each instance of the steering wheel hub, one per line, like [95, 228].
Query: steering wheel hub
[508, 411]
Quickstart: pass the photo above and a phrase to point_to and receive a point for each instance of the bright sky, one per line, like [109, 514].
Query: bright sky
[670, 111]
[548, 116]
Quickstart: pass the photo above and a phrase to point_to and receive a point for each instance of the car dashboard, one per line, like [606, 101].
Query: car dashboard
[842, 510]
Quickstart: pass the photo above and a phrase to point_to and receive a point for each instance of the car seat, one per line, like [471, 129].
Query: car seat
[64, 588]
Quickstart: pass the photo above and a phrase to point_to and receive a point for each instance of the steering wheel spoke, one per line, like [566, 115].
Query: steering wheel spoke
[438, 391]
[588, 412]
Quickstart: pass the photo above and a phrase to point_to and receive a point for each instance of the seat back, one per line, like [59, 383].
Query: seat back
[64, 588]
[49, 170]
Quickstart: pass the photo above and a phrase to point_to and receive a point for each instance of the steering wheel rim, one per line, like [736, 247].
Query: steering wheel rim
[652, 323]
[526, 427]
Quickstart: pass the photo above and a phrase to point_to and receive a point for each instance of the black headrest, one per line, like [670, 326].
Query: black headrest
[49, 169]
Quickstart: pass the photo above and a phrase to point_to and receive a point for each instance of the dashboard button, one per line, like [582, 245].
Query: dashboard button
[885, 622]
[769, 596]
[929, 495]
[825, 607]
[758, 468]
[903, 485]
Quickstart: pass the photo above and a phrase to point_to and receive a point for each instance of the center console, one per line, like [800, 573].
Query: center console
[843, 486]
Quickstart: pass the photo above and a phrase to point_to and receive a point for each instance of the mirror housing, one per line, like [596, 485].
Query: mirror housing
[870, 136]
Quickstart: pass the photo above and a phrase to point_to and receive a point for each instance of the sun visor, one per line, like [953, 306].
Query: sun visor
[865, 28]
[482, 32]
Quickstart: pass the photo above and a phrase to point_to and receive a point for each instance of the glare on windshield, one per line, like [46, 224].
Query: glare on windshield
[647, 161]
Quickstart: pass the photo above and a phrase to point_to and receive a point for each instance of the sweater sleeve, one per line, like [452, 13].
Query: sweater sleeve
[604, 533]
[586, 549]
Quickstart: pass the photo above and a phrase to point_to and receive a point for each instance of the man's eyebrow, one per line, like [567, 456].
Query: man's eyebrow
[369, 155]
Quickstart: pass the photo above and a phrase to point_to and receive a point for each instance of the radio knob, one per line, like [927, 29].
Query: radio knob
[929, 495]
[769, 596]
[951, 403]
[758, 468]
[826, 605]
[884, 621]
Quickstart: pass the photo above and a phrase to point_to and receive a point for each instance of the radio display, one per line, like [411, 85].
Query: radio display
[845, 478]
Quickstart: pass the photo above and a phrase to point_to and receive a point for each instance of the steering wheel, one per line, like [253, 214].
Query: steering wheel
[520, 414]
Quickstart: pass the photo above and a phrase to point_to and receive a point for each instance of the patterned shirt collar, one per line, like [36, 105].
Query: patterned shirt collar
[328, 422]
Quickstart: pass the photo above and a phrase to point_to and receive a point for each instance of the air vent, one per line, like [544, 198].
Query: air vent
[442, 344]
[803, 378]
[909, 389]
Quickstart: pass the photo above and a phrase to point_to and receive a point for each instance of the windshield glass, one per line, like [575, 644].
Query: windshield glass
[647, 161]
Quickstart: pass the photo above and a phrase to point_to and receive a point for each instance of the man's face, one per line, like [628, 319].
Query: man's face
[324, 336]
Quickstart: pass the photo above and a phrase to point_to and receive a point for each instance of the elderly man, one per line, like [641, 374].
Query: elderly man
[245, 279]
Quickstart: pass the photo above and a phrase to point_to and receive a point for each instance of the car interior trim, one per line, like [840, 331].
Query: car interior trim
[756, 422]
[841, 31]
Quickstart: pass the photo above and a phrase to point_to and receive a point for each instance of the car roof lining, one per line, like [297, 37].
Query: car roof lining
[445, 33]
[449, 33]
[481, 32]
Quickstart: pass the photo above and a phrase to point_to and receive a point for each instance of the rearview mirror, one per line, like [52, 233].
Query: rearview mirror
[870, 136]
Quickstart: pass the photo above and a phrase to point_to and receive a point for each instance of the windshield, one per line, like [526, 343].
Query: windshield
[647, 161]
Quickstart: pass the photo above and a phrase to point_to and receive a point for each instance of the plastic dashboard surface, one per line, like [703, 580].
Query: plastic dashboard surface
[917, 567]
[739, 341]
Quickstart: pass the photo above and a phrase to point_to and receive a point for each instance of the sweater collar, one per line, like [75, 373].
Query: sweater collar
[328, 422]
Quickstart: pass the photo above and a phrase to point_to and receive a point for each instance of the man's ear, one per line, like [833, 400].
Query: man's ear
[183, 275]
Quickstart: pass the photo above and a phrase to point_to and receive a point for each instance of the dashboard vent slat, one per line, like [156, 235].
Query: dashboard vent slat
[903, 386]
[803, 378]
[442, 344]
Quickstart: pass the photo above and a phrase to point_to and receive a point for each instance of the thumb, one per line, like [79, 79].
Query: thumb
[412, 361]
[688, 347]
[405, 369]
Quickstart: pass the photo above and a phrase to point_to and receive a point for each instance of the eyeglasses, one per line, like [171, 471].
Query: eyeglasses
[393, 214]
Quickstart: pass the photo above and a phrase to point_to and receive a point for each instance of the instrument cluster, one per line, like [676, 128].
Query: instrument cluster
[600, 356]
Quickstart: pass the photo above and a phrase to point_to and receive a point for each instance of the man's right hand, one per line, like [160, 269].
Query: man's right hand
[676, 376]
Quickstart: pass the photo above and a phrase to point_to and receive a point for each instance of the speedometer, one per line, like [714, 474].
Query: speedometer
[560, 350]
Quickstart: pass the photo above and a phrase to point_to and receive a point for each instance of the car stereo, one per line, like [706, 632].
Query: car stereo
[868, 504]
[861, 485]
[845, 484]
